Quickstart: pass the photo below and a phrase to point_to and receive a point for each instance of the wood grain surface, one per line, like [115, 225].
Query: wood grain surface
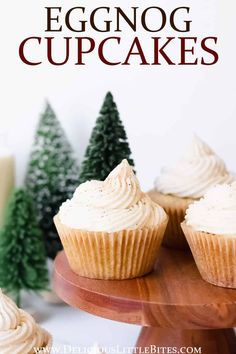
[218, 341]
[172, 296]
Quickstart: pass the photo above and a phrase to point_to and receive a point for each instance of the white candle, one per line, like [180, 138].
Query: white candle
[7, 177]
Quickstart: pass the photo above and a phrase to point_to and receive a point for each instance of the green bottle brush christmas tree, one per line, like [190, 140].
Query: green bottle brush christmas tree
[108, 144]
[22, 250]
[52, 176]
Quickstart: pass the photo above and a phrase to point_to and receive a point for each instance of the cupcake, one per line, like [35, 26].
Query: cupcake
[111, 229]
[177, 187]
[210, 229]
[19, 334]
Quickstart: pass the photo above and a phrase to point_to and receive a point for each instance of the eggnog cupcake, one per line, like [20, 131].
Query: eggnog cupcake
[177, 187]
[210, 229]
[19, 334]
[111, 229]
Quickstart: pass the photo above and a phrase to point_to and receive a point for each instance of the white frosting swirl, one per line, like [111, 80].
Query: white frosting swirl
[19, 334]
[112, 205]
[10, 317]
[215, 212]
[195, 173]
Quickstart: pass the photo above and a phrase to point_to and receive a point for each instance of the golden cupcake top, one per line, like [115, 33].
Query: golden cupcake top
[216, 212]
[19, 332]
[112, 205]
[198, 170]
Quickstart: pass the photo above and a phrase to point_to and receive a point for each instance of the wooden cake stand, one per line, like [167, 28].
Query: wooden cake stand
[173, 304]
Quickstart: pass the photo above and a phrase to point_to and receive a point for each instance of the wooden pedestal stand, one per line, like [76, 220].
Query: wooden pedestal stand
[173, 304]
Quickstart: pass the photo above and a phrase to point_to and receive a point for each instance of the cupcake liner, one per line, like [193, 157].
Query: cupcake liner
[117, 255]
[176, 208]
[215, 256]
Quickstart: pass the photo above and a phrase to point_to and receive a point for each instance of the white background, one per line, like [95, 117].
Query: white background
[161, 106]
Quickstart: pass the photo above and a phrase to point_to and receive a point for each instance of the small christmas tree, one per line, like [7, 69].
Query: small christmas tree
[22, 250]
[52, 176]
[108, 144]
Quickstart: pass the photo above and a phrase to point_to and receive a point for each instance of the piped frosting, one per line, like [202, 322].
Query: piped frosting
[19, 334]
[216, 212]
[112, 205]
[198, 170]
